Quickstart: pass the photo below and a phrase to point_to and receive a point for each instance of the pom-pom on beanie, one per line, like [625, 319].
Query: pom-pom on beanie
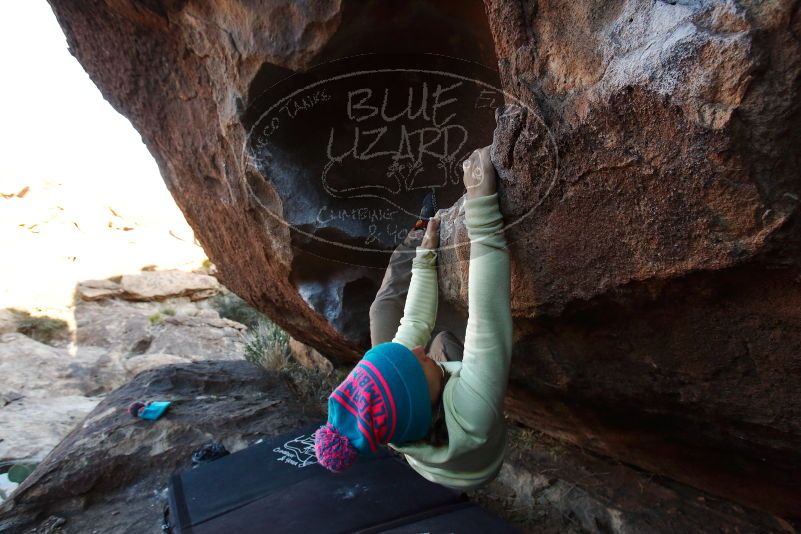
[333, 450]
[385, 399]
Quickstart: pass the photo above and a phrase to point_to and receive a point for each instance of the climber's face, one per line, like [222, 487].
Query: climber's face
[432, 371]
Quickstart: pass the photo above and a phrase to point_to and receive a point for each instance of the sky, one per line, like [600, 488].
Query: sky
[54, 123]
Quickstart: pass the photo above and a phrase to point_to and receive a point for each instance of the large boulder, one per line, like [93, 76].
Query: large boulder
[649, 173]
[656, 284]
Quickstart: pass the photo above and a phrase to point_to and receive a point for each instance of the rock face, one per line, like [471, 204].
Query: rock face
[110, 473]
[547, 486]
[657, 283]
[47, 389]
[649, 176]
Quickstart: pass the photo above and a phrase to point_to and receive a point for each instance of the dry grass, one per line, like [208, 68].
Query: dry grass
[267, 345]
[42, 328]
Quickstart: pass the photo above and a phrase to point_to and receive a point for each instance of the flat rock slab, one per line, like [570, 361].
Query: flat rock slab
[157, 285]
[151, 285]
[98, 289]
[110, 473]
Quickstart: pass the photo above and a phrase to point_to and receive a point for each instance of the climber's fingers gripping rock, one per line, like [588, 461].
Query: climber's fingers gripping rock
[479, 174]
[431, 238]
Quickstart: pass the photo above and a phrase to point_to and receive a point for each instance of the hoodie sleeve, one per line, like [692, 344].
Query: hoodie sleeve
[477, 397]
[420, 310]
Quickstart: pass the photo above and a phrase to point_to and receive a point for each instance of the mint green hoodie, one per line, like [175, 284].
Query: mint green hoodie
[473, 396]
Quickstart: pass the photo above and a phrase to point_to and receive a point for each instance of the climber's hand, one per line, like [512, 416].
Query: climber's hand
[479, 174]
[431, 239]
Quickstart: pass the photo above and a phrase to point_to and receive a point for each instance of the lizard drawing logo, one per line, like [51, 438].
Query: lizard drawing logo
[298, 451]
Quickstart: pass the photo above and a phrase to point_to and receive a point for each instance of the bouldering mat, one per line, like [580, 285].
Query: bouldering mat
[277, 486]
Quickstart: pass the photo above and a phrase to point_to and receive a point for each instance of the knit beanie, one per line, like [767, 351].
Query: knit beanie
[385, 399]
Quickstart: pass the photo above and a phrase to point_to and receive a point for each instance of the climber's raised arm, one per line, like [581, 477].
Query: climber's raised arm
[477, 397]
[420, 309]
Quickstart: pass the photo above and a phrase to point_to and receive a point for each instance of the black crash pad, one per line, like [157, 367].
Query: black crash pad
[277, 486]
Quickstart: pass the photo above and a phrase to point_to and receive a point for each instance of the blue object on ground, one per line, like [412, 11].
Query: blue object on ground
[154, 410]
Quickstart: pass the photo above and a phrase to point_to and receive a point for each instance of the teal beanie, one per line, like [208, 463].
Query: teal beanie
[385, 399]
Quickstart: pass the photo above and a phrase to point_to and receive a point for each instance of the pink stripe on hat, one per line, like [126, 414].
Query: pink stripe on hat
[378, 374]
[367, 434]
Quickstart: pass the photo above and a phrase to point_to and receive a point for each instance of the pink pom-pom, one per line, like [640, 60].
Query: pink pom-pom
[333, 450]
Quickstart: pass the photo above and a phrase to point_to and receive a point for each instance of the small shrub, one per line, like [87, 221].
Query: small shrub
[230, 306]
[156, 318]
[43, 329]
[267, 345]
[168, 311]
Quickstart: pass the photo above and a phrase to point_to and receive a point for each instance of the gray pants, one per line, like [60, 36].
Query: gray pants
[386, 310]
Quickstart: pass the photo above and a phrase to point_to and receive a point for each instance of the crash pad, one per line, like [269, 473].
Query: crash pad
[277, 486]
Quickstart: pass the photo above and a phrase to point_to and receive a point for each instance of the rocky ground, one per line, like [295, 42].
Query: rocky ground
[110, 473]
[143, 320]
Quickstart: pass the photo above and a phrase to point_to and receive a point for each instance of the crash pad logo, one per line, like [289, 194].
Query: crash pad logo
[297, 451]
[351, 148]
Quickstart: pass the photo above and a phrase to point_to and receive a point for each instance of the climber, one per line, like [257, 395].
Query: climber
[445, 417]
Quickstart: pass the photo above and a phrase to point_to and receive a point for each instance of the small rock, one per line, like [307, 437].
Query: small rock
[159, 285]
[309, 357]
[98, 289]
[11, 396]
[208, 313]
